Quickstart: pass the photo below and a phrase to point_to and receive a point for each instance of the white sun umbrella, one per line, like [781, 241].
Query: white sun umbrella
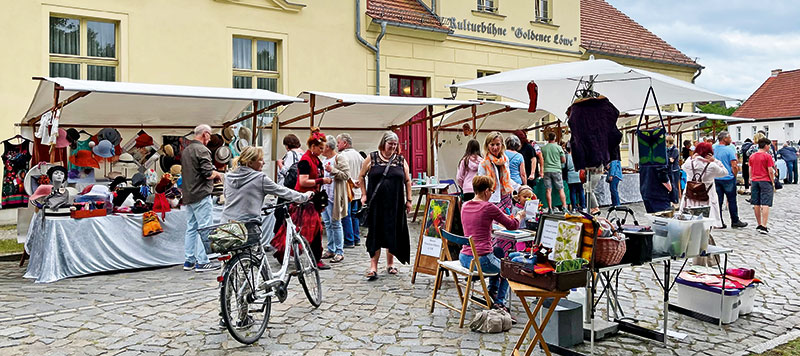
[624, 86]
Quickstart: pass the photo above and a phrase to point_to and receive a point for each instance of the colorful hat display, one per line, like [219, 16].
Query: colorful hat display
[62, 141]
[104, 149]
[111, 135]
[223, 155]
[227, 134]
[84, 158]
[41, 191]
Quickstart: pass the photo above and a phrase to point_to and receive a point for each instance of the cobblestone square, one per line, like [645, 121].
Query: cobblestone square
[171, 312]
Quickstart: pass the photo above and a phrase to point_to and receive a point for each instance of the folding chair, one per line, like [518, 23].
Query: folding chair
[446, 262]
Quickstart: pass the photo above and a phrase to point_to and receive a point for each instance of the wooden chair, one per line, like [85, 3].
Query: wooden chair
[473, 273]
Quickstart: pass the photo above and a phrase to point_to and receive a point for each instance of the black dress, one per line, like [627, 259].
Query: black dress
[388, 227]
[16, 160]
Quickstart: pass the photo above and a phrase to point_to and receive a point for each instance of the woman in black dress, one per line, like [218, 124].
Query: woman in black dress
[389, 199]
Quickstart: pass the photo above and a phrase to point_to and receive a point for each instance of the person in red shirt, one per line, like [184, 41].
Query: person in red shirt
[762, 176]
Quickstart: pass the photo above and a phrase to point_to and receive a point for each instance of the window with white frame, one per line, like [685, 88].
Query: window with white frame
[482, 95]
[83, 48]
[543, 12]
[255, 65]
[738, 133]
[487, 5]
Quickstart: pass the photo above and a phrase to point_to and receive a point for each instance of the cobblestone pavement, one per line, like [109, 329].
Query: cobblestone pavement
[172, 312]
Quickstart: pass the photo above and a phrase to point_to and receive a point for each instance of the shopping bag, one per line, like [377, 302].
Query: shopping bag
[652, 143]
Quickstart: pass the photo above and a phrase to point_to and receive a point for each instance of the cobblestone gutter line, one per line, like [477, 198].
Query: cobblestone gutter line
[771, 344]
[103, 305]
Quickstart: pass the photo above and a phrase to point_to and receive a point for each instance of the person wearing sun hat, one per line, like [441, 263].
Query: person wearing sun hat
[198, 176]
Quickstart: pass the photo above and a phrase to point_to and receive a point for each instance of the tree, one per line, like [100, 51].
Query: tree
[714, 126]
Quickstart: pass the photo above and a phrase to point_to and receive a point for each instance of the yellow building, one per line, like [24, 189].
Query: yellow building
[293, 45]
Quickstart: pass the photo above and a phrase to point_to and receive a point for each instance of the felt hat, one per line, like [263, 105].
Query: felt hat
[215, 142]
[241, 144]
[99, 191]
[54, 169]
[113, 175]
[73, 135]
[166, 162]
[41, 191]
[84, 158]
[245, 133]
[111, 135]
[138, 179]
[62, 141]
[116, 182]
[126, 161]
[227, 134]
[175, 170]
[144, 140]
[104, 149]
[223, 155]
[169, 150]
[31, 181]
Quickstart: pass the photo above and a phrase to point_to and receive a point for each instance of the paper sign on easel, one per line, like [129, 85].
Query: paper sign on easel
[431, 246]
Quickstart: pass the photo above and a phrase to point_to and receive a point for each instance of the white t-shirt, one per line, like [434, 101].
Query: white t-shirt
[354, 161]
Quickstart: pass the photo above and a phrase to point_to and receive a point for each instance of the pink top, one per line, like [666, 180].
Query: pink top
[477, 218]
[464, 176]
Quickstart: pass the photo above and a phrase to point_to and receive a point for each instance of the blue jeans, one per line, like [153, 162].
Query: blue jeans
[613, 186]
[193, 243]
[727, 188]
[675, 181]
[791, 172]
[577, 196]
[490, 264]
[350, 224]
[333, 229]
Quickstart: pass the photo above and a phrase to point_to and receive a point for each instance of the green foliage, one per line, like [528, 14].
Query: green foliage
[712, 126]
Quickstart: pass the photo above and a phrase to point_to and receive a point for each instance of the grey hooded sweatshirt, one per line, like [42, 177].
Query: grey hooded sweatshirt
[245, 190]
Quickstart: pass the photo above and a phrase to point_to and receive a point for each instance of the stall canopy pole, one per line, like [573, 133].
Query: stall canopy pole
[254, 124]
[274, 144]
[431, 115]
[254, 113]
[430, 169]
[56, 93]
[334, 106]
[311, 104]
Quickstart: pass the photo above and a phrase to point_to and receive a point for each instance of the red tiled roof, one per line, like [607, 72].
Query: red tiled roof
[409, 12]
[606, 30]
[778, 97]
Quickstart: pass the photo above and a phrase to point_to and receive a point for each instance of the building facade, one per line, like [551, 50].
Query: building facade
[775, 106]
[293, 45]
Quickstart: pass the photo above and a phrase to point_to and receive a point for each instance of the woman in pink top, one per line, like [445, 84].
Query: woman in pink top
[468, 167]
[477, 216]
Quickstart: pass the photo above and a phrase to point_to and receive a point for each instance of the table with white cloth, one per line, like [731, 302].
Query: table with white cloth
[62, 247]
[628, 190]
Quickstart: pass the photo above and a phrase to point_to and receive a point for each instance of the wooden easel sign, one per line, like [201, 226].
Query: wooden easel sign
[438, 215]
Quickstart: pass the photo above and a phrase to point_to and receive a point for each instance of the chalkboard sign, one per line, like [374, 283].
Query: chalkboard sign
[439, 213]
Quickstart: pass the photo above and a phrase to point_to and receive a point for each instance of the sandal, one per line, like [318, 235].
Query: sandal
[391, 270]
[372, 275]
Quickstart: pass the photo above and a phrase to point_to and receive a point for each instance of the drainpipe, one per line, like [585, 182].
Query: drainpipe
[374, 48]
[699, 71]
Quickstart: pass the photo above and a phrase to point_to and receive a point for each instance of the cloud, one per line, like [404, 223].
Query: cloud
[737, 42]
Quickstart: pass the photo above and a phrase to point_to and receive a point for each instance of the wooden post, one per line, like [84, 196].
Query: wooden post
[255, 124]
[311, 103]
[474, 122]
[56, 93]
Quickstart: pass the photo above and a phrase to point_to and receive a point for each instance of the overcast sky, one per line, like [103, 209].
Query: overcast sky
[738, 42]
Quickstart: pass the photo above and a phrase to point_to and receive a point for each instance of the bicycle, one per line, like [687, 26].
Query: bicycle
[248, 284]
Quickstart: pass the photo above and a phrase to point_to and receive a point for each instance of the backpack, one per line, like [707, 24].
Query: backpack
[696, 189]
[745, 153]
[290, 180]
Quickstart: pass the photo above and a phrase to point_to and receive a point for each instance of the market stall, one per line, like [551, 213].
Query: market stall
[110, 199]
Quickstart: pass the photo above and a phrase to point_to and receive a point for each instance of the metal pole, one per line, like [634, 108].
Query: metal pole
[255, 124]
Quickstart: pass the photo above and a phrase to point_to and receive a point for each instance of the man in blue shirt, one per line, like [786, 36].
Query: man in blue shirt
[789, 155]
[614, 178]
[726, 186]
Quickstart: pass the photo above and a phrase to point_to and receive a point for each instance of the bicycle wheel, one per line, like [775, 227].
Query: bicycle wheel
[308, 273]
[244, 317]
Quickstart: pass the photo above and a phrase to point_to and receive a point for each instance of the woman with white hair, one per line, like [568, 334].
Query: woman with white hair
[336, 168]
[516, 163]
[389, 199]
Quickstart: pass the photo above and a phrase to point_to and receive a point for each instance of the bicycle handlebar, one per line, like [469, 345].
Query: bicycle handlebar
[266, 209]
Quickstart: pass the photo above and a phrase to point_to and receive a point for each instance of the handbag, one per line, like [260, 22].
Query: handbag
[227, 237]
[350, 193]
[150, 224]
[695, 188]
[364, 211]
[491, 321]
[652, 143]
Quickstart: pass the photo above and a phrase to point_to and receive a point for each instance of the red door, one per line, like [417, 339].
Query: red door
[414, 138]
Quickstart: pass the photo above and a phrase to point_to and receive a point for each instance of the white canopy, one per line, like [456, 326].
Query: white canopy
[651, 112]
[516, 117]
[123, 103]
[625, 87]
[364, 111]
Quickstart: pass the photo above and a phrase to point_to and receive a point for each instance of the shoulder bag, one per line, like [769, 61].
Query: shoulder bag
[695, 188]
[651, 143]
[364, 211]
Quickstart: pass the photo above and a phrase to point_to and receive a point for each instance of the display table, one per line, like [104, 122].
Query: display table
[525, 291]
[62, 247]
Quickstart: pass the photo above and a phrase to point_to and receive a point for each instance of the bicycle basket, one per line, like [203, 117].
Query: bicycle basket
[227, 237]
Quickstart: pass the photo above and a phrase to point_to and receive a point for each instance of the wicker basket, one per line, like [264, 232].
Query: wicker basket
[608, 251]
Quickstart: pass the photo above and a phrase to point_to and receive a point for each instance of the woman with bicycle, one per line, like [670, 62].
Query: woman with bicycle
[389, 200]
[246, 186]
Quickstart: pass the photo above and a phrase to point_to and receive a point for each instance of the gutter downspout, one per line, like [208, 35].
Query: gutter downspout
[374, 48]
